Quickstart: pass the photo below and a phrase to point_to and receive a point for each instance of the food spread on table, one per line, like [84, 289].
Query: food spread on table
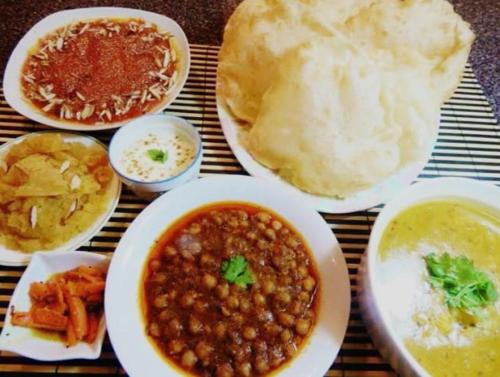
[51, 190]
[69, 303]
[442, 277]
[336, 96]
[332, 96]
[101, 71]
[230, 289]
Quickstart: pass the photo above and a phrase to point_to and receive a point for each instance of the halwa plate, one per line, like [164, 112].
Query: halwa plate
[11, 257]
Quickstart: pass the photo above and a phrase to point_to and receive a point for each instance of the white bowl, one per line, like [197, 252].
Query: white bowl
[12, 77]
[140, 128]
[376, 317]
[9, 257]
[123, 313]
[21, 340]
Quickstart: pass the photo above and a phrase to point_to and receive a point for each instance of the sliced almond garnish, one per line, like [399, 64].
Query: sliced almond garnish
[173, 54]
[166, 58]
[64, 166]
[75, 182]
[29, 78]
[33, 217]
[59, 43]
[87, 111]
[80, 95]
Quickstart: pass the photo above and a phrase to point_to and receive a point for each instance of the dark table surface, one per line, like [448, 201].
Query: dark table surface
[204, 20]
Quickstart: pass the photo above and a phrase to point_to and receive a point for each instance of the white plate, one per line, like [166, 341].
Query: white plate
[123, 314]
[9, 257]
[12, 82]
[21, 340]
[357, 202]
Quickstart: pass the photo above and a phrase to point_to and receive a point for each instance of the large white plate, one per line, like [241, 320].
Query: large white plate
[124, 319]
[359, 201]
[12, 82]
[9, 257]
[21, 340]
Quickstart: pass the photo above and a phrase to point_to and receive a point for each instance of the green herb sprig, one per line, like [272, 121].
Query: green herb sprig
[158, 155]
[465, 287]
[236, 271]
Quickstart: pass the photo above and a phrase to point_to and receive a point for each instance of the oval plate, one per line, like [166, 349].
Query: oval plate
[12, 78]
[122, 299]
[9, 257]
[359, 201]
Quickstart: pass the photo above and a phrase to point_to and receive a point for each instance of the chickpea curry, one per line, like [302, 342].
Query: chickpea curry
[230, 290]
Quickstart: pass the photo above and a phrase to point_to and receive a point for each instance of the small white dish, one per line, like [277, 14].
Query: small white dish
[9, 257]
[21, 340]
[376, 316]
[164, 126]
[12, 77]
[359, 201]
[122, 306]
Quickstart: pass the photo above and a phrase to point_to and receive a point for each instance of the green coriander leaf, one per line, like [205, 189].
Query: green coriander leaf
[236, 271]
[158, 155]
[465, 287]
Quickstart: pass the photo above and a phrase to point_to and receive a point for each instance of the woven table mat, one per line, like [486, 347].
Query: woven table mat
[468, 146]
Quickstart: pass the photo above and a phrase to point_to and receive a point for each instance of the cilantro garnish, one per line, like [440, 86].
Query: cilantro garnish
[236, 271]
[465, 287]
[158, 155]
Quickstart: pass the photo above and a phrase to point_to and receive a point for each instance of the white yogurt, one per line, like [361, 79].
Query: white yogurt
[137, 163]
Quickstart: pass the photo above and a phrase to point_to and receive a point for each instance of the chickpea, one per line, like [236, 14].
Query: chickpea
[195, 325]
[200, 306]
[302, 326]
[160, 277]
[276, 225]
[203, 350]
[161, 301]
[262, 245]
[242, 215]
[290, 349]
[268, 287]
[270, 234]
[261, 226]
[303, 272]
[155, 265]
[245, 369]
[238, 318]
[245, 305]
[286, 319]
[273, 329]
[175, 326]
[295, 308]
[225, 370]
[209, 281]
[251, 236]
[309, 283]
[225, 311]
[283, 297]
[233, 302]
[188, 359]
[233, 223]
[264, 217]
[154, 329]
[170, 251]
[222, 290]
[261, 365]
[194, 228]
[176, 346]
[166, 314]
[207, 260]
[220, 330]
[259, 299]
[249, 333]
[292, 242]
[285, 335]
[187, 300]
[304, 297]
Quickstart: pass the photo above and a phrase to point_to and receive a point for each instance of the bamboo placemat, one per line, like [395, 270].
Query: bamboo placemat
[468, 146]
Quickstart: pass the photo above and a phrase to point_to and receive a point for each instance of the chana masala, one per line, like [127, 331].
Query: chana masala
[230, 289]
[101, 71]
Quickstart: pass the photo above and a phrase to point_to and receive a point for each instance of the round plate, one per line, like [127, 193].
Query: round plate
[12, 81]
[9, 257]
[359, 201]
[124, 317]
